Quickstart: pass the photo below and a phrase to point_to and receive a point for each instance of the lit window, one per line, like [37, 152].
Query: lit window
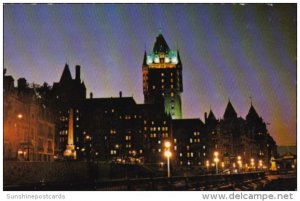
[162, 80]
[175, 148]
[159, 141]
[159, 150]
[175, 140]
[141, 151]
[153, 87]
[172, 86]
[172, 94]
[152, 122]
[192, 154]
[112, 110]
[203, 146]
[187, 147]
[191, 140]
[180, 154]
[162, 74]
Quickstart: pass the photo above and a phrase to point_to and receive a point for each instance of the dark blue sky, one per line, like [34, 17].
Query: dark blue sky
[228, 51]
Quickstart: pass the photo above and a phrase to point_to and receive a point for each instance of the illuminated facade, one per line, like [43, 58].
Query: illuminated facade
[233, 136]
[29, 128]
[162, 77]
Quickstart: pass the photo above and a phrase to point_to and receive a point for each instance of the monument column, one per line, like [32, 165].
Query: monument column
[70, 151]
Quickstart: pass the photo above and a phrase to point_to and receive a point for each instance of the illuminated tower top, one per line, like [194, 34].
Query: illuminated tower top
[162, 77]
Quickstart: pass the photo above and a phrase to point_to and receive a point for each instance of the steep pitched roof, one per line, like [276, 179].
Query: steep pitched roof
[252, 114]
[66, 75]
[211, 116]
[230, 112]
[160, 44]
[145, 59]
[178, 56]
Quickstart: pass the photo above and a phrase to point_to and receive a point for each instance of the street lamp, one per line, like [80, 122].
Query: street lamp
[216, 160]
[20, 116]
[252, 163]
[260, 164]
[207, 165]
[168, 154]
[239, 161]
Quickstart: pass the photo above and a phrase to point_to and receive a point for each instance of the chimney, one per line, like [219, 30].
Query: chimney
[205, 117]
[91, 95]
[120, 94]
[22, 83]
[77, 76]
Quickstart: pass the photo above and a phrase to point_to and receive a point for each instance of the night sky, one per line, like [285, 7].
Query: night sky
[228, 51]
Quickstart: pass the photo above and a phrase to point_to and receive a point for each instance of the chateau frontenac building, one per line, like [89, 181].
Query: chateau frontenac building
[162, 77]
[119, 129]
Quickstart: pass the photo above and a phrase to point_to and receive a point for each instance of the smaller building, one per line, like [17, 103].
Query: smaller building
[29, 128]
[190, 148]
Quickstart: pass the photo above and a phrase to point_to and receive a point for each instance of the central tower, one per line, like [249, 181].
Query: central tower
[162, 77]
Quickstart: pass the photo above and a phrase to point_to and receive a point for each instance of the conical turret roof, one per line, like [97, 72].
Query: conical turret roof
[230, 112]
[211, 116]
[252, 114]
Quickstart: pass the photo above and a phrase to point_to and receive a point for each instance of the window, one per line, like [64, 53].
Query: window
[191, 140]
[113, 131]
[153, 87]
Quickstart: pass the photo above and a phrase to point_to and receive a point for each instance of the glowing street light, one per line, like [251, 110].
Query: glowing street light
[252, 163]
[207, 165]
[260, 163]
[167, 144]
[239, 161]
[216, 160]
[20, 116]
[168, 154]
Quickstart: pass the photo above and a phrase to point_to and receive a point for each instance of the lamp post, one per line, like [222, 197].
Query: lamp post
[239, 161]
[168, 154]
[252, 163]
[216, 160]
[207, 165]
[20, 116]
[260, 164]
